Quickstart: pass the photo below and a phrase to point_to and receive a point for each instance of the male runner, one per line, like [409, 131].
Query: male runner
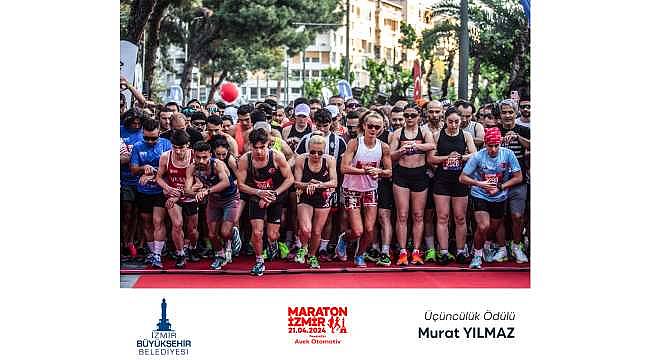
[491, 172]
[468, 124]
[265, 176]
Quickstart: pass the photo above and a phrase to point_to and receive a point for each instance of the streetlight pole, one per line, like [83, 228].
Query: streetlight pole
[464, 50]
[347, 42]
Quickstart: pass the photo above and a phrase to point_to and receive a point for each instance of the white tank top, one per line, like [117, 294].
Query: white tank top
[363, 157]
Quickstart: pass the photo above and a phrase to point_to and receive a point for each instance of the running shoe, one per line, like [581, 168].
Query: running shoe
[323, 255]
[384, 260]
[300, 256]
[283, 249]
[228, 256]
[258, 269]
[488, 254]
[443, 259]
[341, 248]
[372, 255]
[149, 259]
[313, 262]
[520, 257]
[236, 241]
[476, 262]
[462, 258]
[416, 259]
[219, 261]
[501, 255]
[359, 261]
[274, 250]
[181, 260]
[430, 255]
[403, 259]
[193, 256]
[156, 261]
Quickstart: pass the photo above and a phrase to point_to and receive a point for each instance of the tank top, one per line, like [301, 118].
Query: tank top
[419, 139]
[363, 157]
[471, 128]
[295, 133]
[266, 178]
[176, 175]
[276, 144]
[210, 177]
[449, 171]
[323, 175]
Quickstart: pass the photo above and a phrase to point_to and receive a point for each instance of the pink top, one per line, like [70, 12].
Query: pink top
[364, 157]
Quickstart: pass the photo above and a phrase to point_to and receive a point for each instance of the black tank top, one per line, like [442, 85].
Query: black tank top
[266, 178]
[383, 136]
[294, 133]
[449, 171]
[419, 139]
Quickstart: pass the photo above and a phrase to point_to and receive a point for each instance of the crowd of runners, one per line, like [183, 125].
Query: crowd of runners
[404, 183]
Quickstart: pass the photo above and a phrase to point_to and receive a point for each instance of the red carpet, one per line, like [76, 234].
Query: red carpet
[407, 279]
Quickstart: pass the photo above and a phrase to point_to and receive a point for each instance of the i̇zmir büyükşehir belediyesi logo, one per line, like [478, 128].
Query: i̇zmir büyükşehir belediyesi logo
[163, 340]
[317, 324]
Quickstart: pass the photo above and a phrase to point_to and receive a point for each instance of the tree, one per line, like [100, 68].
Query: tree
[313, 89]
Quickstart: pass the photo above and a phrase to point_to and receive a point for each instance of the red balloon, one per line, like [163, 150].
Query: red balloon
[229, 92]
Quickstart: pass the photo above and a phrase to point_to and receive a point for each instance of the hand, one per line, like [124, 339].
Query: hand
[169, 204]
[311, 189]
[492, 190]
[263, 203]
[454, 155]
[198, 185]
[201, 194]
[267, 195]
[144, 179]
[485, 184]
[124, 83]
[149, 170]
[373, 172]
[170, 191]
[314, 181]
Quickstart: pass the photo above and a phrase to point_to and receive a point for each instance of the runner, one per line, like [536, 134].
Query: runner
[337, 128]
[130, 134]
[468, 124]
[265, 175]
[300, 127]
[145, 159]
[386, 201]
[182, 208]
[218, 185]
[453, 148]
[410, 147]
[434, 122]
[352, 124]
[215, 127]
[516, 138]
[243, 125]
[524, 109]
[314, 105]
[491, 172]
[179, 122]
[316, 172]
[335, 146]
[361, 166]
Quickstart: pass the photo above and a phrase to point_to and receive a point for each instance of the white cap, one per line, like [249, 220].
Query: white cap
[333, 109]
[232, 112]
[302, 109]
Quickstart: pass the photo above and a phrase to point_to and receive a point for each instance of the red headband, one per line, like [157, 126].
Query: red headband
[492, 136]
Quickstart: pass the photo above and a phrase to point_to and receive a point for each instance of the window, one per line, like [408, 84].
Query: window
[263, 92]
[243, 90]
[315, 73]
[295, 90]
[273, 91]
[315, 60]
[254, 92]
[295, 73]
[180, 61]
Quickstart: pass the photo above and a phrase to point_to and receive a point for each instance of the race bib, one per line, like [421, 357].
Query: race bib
[493, 179]
[264, 185]
[452, 164]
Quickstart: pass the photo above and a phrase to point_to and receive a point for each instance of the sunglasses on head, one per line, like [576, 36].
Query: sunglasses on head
[374, 127]
[410, 116]
[314, 152]
[150, 138]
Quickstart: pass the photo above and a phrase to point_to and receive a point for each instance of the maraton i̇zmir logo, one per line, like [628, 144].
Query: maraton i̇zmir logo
[317, 324]
[163, 340]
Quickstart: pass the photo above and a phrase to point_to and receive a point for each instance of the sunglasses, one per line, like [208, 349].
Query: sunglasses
[150, 138]
[410, 116]
[353, 106]
[525, 106]
[212, 110]
[199, 123]
[221, 155]
[314, 152]
[373, 127]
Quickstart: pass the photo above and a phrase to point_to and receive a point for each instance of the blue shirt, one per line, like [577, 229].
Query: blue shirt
[145, 154]
[126, 132]
[497, 170]
[126, 179]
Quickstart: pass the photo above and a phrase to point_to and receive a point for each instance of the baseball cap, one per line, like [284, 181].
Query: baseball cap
[302, 109]
[333, 109]
[232, 112]
[262, 125]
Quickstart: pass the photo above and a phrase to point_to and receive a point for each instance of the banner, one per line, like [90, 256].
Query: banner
[417, 79]
[128, 57]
